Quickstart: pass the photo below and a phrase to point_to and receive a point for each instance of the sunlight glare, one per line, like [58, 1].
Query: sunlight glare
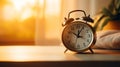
[21, 9]
[19, 53]
[26, 14]
[19, 4]
[8, 15]
[52, 7]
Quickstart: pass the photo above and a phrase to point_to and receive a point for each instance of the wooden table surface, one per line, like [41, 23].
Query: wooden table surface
[52, 56]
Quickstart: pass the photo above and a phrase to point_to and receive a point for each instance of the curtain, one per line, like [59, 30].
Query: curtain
[49, 31]
[48, 23]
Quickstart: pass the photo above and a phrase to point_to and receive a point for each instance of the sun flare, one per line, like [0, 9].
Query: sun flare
[21, 9]
[20, 4]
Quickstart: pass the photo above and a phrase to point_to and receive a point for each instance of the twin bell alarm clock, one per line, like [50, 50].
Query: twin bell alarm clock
[78, 35]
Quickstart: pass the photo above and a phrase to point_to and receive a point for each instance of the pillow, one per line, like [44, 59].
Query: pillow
[109, 39]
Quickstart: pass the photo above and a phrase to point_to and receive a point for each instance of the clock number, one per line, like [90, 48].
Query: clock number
[83, 27]
[89, 35]
[77, 26]
[87, 31]
[88, 40]
[84, 44]
[78, 46]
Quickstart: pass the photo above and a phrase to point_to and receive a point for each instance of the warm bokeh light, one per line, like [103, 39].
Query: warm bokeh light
[19, 4]
[30, 53]
[18, 21]
[53, 7]
[19, 53]
[9, 15]
[53, 16]
[21, 9]
[20, 17]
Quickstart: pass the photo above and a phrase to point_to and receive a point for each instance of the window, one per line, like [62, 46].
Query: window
[17, 22]
[29, 21]
[48, 23]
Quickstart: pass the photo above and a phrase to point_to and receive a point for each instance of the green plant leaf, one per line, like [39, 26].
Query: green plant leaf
[107, 12]
[111, 5]
[117, 3]
[118, 6]
[105, 21]
[100, 17]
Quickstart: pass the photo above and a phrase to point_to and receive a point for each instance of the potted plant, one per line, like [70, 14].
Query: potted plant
[108, 16]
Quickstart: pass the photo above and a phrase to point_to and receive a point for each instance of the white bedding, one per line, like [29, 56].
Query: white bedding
[109, 39]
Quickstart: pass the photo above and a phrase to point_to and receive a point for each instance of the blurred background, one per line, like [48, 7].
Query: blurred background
[38, 22]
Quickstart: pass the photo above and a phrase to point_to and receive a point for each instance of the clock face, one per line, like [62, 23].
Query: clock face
[78, 36]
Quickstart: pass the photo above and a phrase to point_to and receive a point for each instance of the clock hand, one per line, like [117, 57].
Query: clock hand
[73, 33]
[80, 36]
[77, 35]
[79, 31]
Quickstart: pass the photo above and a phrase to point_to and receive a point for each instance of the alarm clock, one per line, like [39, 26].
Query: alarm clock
[78, 35]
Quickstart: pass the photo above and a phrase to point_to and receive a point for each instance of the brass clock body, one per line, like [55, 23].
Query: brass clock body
[77, 34]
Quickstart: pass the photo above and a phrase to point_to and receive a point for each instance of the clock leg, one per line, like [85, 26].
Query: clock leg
[91, 50]
[65, 50]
